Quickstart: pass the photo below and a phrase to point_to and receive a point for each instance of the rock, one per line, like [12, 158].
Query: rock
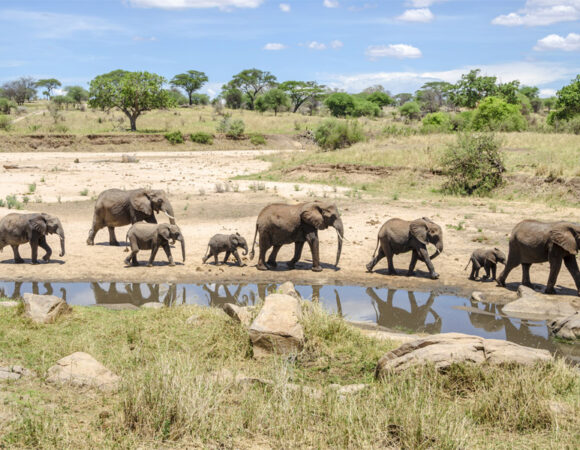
[478, 296]
[14, 373]
[44, 308]
[242, 314]
[533, 306]
[306, 390]
[288, 288]
[153, 305]
[9, 304]
[442, 350]
[377, 332]
[348, 389]
[566, 328]
[277, 327]
[82, 370]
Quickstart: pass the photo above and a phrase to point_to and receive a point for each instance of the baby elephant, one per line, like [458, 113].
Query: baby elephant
[486, 258]
[228, 243]
[151, 236]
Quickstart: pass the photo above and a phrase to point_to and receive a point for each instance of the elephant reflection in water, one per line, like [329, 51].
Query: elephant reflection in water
[17, 293]
[133, 294]
[391, 316]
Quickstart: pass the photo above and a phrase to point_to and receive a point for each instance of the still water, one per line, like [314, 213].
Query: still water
[407, 311]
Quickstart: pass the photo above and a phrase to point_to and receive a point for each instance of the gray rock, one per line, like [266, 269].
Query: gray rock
[277, 327]
[566, 328]
[14, 373]
[442, 350]
[9, 304]
[348, 389]
[82, 370]
[44, 308]
[288, 288]
[478, 296]
[241, 314]
[153, 305]
[306, 390]
[533, 306]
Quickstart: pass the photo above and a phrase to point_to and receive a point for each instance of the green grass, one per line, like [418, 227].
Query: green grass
[167, 399]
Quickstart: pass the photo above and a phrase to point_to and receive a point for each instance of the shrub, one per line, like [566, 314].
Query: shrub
[461, 121]
[410, 110]
[333, 134]
[233, 129]
[365, 108]
[202, 138]
[399, 130]
[340, 104]
[6, 105]
[5, 123]
[175, 137]
[474, 165]
[437, 122]
[258, 139]
[495, 114]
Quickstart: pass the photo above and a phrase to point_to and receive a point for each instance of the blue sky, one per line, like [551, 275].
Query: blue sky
[346, 44]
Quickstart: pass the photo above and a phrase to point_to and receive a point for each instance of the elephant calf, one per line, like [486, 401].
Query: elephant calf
[486, 258]
[150, 236]
[228, 243]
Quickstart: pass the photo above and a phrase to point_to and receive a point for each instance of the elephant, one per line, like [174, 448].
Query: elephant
[228, 243]
[17, 229]
[486, 258]
[280, 224]
[151, 236]
[117, 208]
[401, 236]
[533, 242]
[132, 293]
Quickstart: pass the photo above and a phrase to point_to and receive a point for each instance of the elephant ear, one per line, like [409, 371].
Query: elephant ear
[164, 232]
[418, 230]
[38, 224]
[140, 202]
[234, 240]
[491, 257]
[312, 215]
[563, 237]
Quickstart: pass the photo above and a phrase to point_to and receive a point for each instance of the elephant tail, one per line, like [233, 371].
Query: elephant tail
[127, 241]
[206, 252]
[252, 253]
[468, 262]
[377, 247]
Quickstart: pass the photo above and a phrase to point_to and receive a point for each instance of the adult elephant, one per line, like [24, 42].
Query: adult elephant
[533, 242]
[401, 236]
[280, 224]
[117, 208]
[17, 229]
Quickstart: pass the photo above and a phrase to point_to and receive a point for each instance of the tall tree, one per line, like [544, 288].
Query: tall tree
[190, 82]
[302, 91]
[403, 98]
[472, 87]
[274, 99]
[251, 82]
[567, 102]
[509, 91]
[50, 84]
[131, 92]
[77, 94]
[21, 90]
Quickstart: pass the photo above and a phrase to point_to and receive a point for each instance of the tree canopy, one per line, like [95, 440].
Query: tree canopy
[190, 81]
[251, 82]
[567, 101]
[302, 91]
[50, 84]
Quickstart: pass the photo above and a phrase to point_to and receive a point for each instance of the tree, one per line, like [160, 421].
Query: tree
[21, 90]
[77, 94]
[549, 103]
[301, 92]
[131, 92]
[380, 98]
[274, 99]
[190, 82]
[433, 95]
[251, 82]
[200, 99]
[567, 102]
[472, 88]
[403, 98]
[495, 114]
[177, 96]
[509, 92]
[50, 84]
[376, 88]
[410, 110]
[340, 104]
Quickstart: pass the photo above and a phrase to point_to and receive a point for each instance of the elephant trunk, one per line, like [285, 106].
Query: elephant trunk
[180, 239]
[439, 249]
[245, 247]
[338, 226]
[60, 233]
[167, 209]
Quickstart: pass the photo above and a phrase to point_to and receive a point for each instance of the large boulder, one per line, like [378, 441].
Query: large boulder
[566, 328]
[277, 327]
[82, 370]
[241, 314]
[533, 306]
[288, 288]
[442, 350]
[44, 308]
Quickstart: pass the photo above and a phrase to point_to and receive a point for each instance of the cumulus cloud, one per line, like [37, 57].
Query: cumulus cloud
[541, 12]
[336, 44]
[399, 51]
[569, 43]
[545, 93]
[274, 46]
[196, 4]
[417, 15]
[314, 45]
[285, 7]
[144, 38]
[331, 3]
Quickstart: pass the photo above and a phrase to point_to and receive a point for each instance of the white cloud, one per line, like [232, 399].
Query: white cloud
[541, 12]
[417, 15]
[336, 44]
[569, 43]
[399, 51]
[144, 38]
[316, 45]
[274, 46]
[545, 93]
[331, 3]
[285, 7]
[196, 4]
[423, 3]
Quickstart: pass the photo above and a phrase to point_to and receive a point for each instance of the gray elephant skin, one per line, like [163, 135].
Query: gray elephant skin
[228, 243]
[151, 236]
[279, 224]
[533, 242]
[117, 208]
[17, 229]
[486, 258]
[400, 236]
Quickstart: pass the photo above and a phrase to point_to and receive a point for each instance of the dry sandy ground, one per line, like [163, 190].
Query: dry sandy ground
[200, 216]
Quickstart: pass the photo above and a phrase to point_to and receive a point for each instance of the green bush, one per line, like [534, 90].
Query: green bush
[333, 134]
[6, 105]
[233, 129]
[461, 121]
[410, 110]
[202, 138]
[258, 139]
[175, 137]
[437, 122]
[365, 108]
[571, 126]
[495, 114]
[474, 165]
[340, 104]
[399, 130]
[5, 123]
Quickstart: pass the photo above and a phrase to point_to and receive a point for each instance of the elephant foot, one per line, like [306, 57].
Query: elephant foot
[369, 267]
[472, 278]
[291, 265]
[35, 262]
[114, 243]
[273, 264]
[434, 276]
[500, 282]
[46, 258]
[90, 241]
[149, 264]
[18, 261]
[127, 262]
[261, 267]
[172, 264]
[550, 291]
[316, 269]
[410, 273]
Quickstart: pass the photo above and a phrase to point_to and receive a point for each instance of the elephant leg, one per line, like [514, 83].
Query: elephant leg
[380, 255]
[154, 249]
[298, 246]
[206, 257]
[228, 253]
[474, 273]
[493, 271]
[526, 274]
[112, 237]
[46, 248]
[572, 266]
[511, 263]
[555, 265]
[487, 268]
[273, 255]
[34, 251]
[238, 259]
[97, 225]
[314, 243]
[389, 254]
[215, 259]
[423, 254]
[17, 258]
[264, 247]
[411, 270]
[168, 253]
[132, 258]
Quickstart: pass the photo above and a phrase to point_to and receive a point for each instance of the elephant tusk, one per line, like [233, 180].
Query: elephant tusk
[342, 237]
[168, 215]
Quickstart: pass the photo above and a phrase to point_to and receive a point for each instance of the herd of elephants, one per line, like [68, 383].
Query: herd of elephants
[278, 224]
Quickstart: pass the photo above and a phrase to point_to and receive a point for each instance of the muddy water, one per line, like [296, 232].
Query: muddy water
[424, 312]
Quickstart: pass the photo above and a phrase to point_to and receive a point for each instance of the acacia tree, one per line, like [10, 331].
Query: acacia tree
[302, 91]
[190, 81]
[472, 88]
[50, 84]
[274, 99]
[77, 94]
[251, 82]
[131, 92]
[21, 90]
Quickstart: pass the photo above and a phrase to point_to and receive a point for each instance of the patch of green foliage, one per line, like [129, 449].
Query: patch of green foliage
[257, 139]
[333, 134]
[202, 138]
[175, 137]
[495, 114]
